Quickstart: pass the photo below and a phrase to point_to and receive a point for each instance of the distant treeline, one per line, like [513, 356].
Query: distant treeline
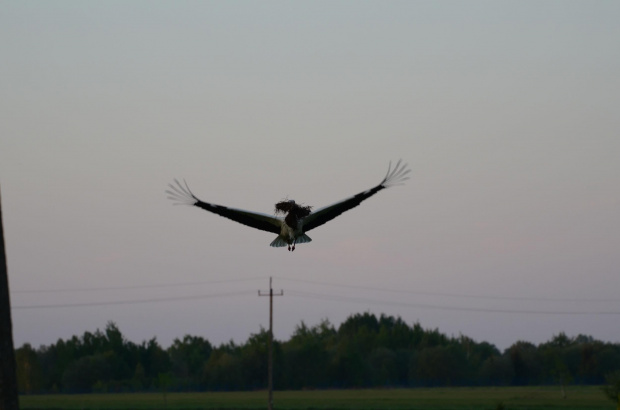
[364, 351]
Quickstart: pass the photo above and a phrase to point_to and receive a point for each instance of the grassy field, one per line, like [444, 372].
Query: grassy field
[531, 398]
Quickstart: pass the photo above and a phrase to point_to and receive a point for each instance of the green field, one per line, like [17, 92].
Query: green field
[420, 398]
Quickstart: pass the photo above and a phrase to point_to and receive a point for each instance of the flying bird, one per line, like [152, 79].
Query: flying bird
[291, 220]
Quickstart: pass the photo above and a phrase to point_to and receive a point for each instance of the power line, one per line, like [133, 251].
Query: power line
[336, 298]
[165, 285]
[453, 295]
[318, 296]
[132, 302]
[337, 285]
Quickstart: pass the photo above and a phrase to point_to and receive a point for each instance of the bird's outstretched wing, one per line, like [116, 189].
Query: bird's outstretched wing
[396, 176]
[182, 195]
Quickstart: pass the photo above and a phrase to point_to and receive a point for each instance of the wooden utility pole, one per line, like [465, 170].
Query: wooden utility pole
[8, 378]
[270, 347]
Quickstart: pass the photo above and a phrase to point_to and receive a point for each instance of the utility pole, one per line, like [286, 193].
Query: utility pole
[8, 379]
[270, 347]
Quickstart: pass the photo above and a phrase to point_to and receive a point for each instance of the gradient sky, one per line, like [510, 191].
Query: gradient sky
[507, 113]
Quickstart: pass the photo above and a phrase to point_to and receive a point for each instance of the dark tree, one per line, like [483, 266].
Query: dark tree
[28, 369]
[308, 349]
[188, 358]
[365, 351]
[525, 359]
[612, 389]
[496, 371]
[442, 366]
[83, 374]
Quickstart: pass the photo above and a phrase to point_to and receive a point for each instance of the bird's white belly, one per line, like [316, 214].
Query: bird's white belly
[288, 233]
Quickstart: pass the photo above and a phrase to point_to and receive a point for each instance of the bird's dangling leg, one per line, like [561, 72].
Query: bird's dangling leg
[289, 247]
[294, 245]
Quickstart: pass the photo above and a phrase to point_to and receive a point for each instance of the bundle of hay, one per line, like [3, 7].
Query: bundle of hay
[293, 211]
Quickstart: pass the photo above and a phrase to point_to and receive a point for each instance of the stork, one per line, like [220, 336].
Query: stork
[291, 220]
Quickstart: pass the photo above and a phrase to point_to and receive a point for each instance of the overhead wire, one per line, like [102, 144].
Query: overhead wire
[354, 299]
[132, 301]
[126, 287]
[320, 296]
[320, 283]
[453, 295]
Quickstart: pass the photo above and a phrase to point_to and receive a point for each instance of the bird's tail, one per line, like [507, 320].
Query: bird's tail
[280, 241]
[181, 194]
[396, 176]
[303, 238]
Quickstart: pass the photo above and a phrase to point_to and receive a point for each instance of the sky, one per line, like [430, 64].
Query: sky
[506, 112]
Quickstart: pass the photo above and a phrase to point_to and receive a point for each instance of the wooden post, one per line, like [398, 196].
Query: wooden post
[270, 345]
[8, 379]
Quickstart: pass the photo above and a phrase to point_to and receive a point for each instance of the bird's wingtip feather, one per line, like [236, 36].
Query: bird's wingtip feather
[181, 194]
[397, 175]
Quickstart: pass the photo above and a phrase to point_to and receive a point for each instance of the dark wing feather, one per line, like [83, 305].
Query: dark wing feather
[183, 195]
[396, 176]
